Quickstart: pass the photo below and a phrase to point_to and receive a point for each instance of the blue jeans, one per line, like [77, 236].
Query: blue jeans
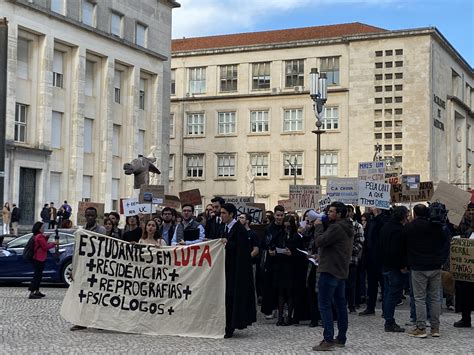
[394, 283]
[331, 288]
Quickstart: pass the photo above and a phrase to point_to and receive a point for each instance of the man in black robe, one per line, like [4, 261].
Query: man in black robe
[239, 287]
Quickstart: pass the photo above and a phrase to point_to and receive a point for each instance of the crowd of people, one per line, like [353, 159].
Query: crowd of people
[319, 266]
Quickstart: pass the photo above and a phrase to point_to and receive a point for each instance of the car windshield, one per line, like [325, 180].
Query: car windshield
[20, 242]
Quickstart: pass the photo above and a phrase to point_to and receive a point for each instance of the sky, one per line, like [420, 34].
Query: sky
[454, 18]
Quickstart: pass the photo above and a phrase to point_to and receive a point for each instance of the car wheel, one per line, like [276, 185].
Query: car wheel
[66, 274]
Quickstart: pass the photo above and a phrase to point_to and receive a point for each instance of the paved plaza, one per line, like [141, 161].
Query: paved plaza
[35, 327]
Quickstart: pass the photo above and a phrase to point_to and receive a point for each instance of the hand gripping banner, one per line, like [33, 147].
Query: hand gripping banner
[137, 288]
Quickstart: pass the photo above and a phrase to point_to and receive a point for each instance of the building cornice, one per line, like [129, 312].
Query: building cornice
[80, 25]
[426, 31]
[462, 104]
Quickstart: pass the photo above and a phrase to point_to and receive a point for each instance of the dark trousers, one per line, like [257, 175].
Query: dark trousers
[375, 278]
[351, 287]
[229, 306]
[52, 224]
[331, 288]
[313, 297]
[394, 283]
[361, 286]
[38, 267]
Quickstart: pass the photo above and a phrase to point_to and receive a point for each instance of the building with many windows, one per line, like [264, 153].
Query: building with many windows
[87, 91]
[241, 115]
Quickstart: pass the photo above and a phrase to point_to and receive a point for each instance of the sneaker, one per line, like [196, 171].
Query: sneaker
[462, 324]
[394, 328]
[367, 313]
[39, 294]
[324, 346]
[34, 296]
[434, 332]
[339, 344]
[418, 333]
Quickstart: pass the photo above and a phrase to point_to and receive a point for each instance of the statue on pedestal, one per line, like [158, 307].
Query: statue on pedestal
[140, 168]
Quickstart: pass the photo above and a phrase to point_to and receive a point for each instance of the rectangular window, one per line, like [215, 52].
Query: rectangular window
[330, 66]
[89, 87]
[21, 119]
[292, 163]
[143, 83]
[173, 82]
[399, 99]
[86, 188]
[115, 194]
[141, 34]
[258, 121]
[172, 126]
[171, 167]
[398, 75]
[329, 164]
[55, 188]
[294, 73]
[117, 85]
[388, 76]
[195, 124]
[58, 6]
[56, 129]
[226, 122]
[88, 126]
[116, 140]
[116, 24]
[261, 76]
[225, 165]
[259, 163]
[141, 142]
[58, 69]
[398, 51]
[330, 118]
[293, 120]
[22, 58]
[194, 165]
[197, 80]
[88, 13]
[228, 78]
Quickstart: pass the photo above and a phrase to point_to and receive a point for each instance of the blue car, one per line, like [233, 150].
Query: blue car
[57, 267]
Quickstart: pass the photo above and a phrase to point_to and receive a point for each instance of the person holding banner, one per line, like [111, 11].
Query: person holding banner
[151, 235]
[239, 289]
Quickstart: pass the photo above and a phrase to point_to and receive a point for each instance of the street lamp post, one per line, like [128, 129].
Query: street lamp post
[318, 93]
[294, 170]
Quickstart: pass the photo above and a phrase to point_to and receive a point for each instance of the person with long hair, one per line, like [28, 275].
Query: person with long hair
[7, 215]
[41, 247]
[109, 227]
[151, 235]
[134, 232]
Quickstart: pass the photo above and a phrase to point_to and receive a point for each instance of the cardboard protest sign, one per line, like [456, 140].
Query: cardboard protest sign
[374, 194]
[462, 259]
[192, 197]
[324, 202]
[455, 200]
[255, 210]
[156, 191]
[425, 193]
[172, 201]
[288, 204]
[81, 210]
[344, 190]
[305, 196]
[372, 171]
[132, 207]
[410, 185]
[137, 288]
[238, 199]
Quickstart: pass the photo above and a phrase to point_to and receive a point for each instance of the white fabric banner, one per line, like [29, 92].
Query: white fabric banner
[137, 288]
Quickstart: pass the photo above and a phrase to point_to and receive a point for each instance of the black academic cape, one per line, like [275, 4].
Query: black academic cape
[239, 290]
[213, 229]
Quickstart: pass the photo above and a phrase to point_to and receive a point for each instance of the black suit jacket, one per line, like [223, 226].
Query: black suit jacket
[213, 229]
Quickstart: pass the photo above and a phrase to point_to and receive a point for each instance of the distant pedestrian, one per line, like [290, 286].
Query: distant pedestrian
[41, 247]
[6, 213]
[53, 213]
[45, 214]
[16, 215]
[67, 210]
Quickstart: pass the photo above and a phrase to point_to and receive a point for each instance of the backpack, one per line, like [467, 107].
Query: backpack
[437, 213]
[29, 250]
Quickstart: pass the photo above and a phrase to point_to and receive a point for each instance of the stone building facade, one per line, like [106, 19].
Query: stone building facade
[241, 111]
[88, 90]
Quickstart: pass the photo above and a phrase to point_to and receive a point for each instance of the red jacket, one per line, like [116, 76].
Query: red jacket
[41, 247]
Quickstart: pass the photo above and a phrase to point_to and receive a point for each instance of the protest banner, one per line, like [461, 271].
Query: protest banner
[324, 202]
[344, 190]
[172, 201]
[455, 199]
[238, 199]
[132, 207]
[372, 171]
[137, 288]
[288, 205]
[255, 210]
[425, 193]
[462, 259]
[374, 194]
[157, 192]
[81, 210]
[192, 197]
[410, 185]
[305, 196]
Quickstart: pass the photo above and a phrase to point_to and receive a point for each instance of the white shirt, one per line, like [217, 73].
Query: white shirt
[230, 225]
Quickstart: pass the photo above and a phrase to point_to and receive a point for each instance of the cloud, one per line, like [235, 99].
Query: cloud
[206, 17]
